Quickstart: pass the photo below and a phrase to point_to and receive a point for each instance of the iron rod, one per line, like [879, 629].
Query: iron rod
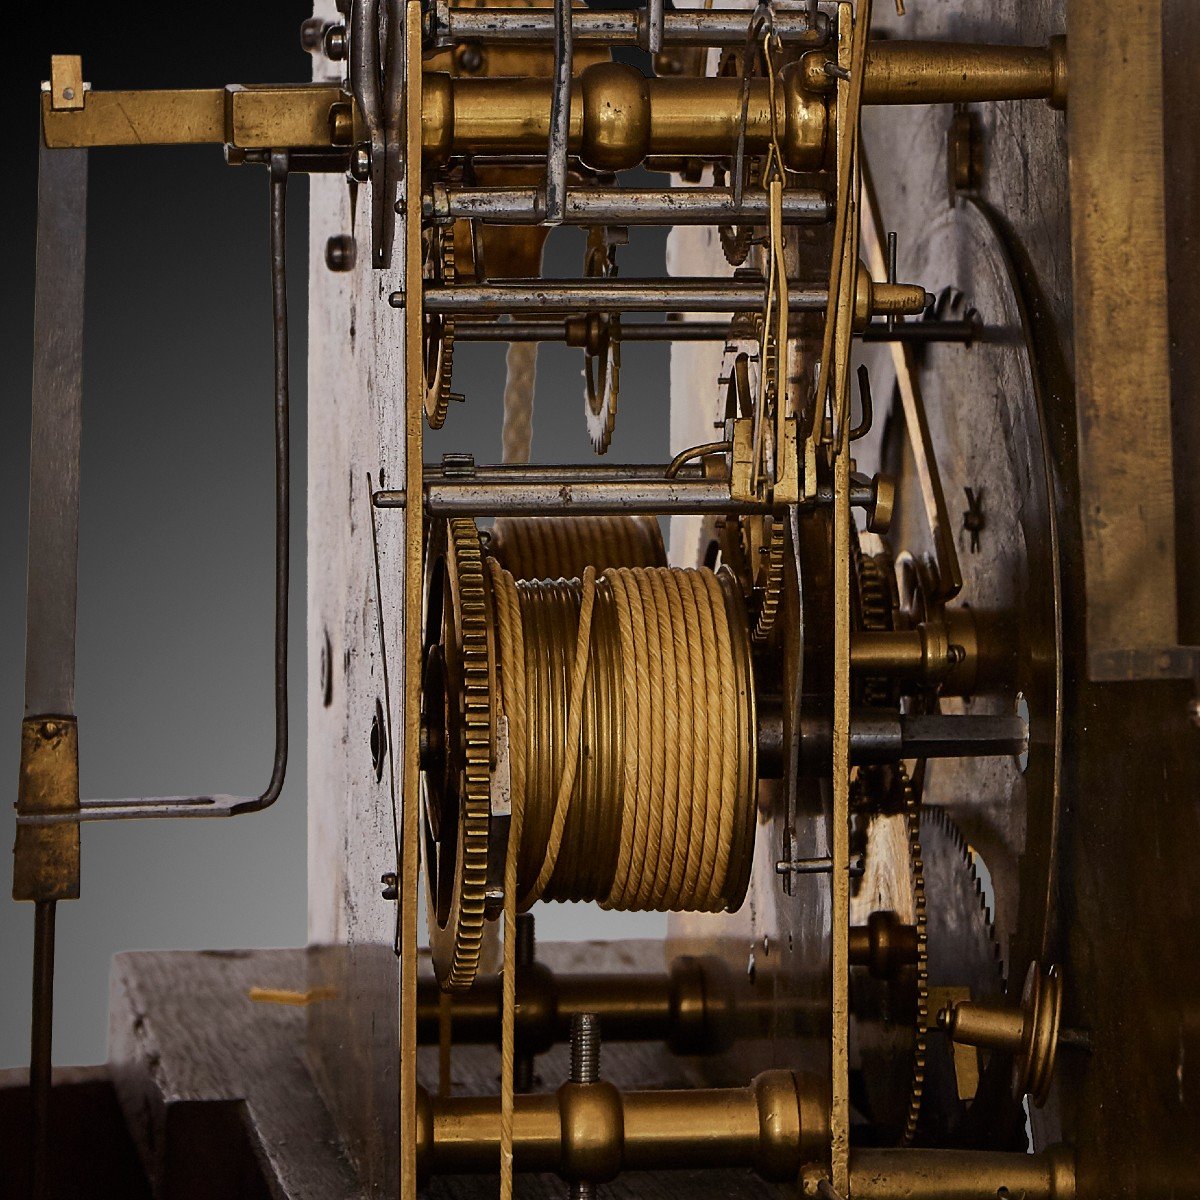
[560, 115]
[713, 27]
[919, 332]
[611, 295]
[623, 206]
[41, 1043]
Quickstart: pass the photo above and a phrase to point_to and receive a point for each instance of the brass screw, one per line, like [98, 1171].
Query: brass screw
[50, 730]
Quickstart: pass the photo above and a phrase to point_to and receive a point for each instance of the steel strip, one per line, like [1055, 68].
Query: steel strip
[55, 434]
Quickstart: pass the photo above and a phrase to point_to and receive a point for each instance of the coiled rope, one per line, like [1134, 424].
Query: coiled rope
[563, 547]
[629, 703]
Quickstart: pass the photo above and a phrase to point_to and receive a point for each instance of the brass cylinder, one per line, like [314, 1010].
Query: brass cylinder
[959, 1175]
[911, 72]
[593, 1131]
[944, 651]
[883, 945]
[618, 117]
[992, 1026]
[687, 1008]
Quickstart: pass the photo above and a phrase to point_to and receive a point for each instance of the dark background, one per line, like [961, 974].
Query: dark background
[174, 623]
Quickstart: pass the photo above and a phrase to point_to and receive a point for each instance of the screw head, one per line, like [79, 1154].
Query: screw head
[1194, 711]
[468, 57]
[360, 163]
[341, 252]
[391, 889]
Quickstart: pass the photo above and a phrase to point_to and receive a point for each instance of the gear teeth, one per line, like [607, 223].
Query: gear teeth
[468, 918]
[439, 357]
[772, 583]
[912, 815]
[871, 577]
[941, 817]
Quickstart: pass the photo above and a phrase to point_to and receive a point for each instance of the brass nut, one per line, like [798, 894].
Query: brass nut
[593, 1131]
[616, 117]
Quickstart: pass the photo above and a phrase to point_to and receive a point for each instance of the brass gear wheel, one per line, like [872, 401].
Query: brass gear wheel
[438, 328]
[456, 749]
[875, 602]
[754, 548]
[602, 368]
[912, 819]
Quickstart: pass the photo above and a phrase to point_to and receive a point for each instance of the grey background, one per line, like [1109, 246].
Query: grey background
[174, 625]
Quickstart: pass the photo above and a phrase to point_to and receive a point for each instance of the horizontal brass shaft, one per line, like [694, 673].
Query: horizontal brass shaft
[594, 1131]
[687, 1008]
[617, 116]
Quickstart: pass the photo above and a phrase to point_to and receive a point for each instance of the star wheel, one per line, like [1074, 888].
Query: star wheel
[602, 348]
[438, 328]
[456, 749]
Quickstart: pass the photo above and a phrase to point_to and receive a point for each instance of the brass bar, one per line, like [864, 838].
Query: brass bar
[295, 116]
[594, 1131]
[284, 116]
[149, 118]
[1122, 342]
[960, 1174]
[916, 423]
[414, 433]
[852, 37]
[906, 72]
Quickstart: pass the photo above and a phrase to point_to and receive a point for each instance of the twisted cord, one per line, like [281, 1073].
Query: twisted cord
[636, 772]
[521, 373]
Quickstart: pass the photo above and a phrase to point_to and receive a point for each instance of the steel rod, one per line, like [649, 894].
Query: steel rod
[918, 332]
[41, 1043]
[612, 295]
[562, 493]
[623, 206]
[560, 115]
[880, 737]
[713, 27]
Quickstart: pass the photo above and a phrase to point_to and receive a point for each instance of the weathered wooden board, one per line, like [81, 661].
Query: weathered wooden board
[192, 1053]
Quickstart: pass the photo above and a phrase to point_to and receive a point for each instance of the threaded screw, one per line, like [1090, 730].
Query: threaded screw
[585, 1068]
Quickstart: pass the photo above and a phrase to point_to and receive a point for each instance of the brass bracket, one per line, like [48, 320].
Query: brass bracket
[66, 82]
[46, 857]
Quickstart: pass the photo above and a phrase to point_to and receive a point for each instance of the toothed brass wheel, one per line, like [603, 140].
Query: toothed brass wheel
[456, 749]
[438, 328]
[754, 548]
